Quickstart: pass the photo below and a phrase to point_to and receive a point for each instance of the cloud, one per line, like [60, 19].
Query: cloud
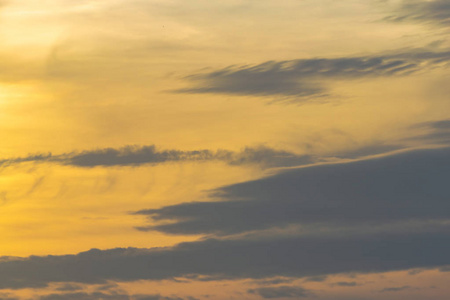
[69, 287]
[149, 154]
[141, 155]
[109, 296]
[86, 296]
[395, 289]
[434, 11]
[306, 77]
[236, 259]
[280, 292]
[407, 191]
[437, 132]
[346, 283]
[376, 215]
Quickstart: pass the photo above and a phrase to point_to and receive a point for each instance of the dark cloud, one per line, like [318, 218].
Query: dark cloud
[434, 11]
[434, 132]
[273, 281]
[305, 77]
[407, 191]
[316, 279]
[30, 158]
[109, 296]
[346, 283]
[395, 289]
[69, 287]
[380, 215]
[149, 154]
[141, 155]
[299, 256]
[86, 296]
[281, 292]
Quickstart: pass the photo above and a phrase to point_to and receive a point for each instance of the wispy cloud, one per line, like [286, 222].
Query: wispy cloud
[235, 259]
[406, 194]
[141, 155]
[408, 187]
[434, 11]
[281, 292]
[306, 77]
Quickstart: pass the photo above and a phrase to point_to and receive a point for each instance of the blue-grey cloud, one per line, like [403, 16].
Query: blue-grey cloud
[299, 256]
[437, 132]
[395, 289]
[434, 11]
[297, 79]
[69, 287]
[109, 296]
[281, 292]
[263, 156]
[346, 283]
[400, 190]
[406, 195]
[141, 155]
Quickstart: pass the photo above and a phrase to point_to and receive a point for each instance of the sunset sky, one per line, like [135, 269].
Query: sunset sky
[238, 149]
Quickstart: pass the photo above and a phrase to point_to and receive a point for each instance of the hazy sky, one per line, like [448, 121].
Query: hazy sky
[239, 149]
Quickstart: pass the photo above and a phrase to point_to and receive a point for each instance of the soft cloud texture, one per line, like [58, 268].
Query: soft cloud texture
[434, 11]
[141, 155]
[307, 77]
[404, 188]
[280, 292]
[381, 215]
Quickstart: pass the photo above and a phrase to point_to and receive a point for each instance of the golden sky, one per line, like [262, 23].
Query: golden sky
[239, 149]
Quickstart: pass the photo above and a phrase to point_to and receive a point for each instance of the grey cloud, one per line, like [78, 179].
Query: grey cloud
[109, 296]
[273, 281]
[149, 154]
[69, 287]
[408, 188]
[437, 132]
[346, 284]
[237, 259]
[316, 279]
[30, 158]
[140, 155]
[86, 296]
[406, 191]
[370, 150]
[305, 77]
[395, 289]
[434, 11]
[280, 292]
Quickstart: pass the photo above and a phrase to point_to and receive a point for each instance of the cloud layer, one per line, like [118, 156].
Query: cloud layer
[307, 77]
[141, 155]
[434, 11]
[409, 187]
[403, 198]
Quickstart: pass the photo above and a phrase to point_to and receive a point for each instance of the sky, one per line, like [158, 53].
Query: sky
[239, 149]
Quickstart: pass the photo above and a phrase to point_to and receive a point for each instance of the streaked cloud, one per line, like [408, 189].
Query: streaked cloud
[408, 187]
[395, 289]
[397, 207]
[141, 155]
[235, 259]
[434, 11]
[307, 77]
[280, 292]
[109, 296]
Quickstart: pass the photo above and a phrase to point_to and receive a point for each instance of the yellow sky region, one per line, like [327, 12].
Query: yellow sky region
[40, 123]
[59, 209]
[93, 74]
[97, 79]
